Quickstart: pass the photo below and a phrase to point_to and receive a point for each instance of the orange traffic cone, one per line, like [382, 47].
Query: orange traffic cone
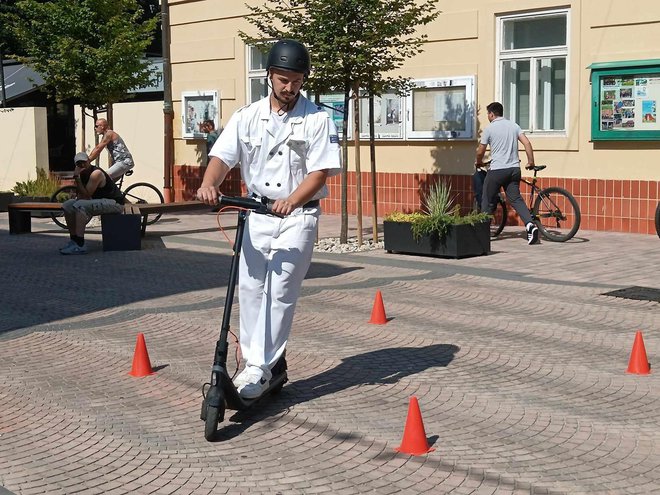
[639, 363]
[414, 437]
[378, 312]
[141, 363]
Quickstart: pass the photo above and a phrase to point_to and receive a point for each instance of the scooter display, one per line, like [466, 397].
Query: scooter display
[221, 393]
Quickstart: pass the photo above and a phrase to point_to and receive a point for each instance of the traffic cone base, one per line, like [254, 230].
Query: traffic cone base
[141, 363]
[639, 363]
[378, 312]
[414, 436]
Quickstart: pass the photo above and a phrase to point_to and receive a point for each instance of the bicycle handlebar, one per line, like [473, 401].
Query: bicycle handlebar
[263, 206]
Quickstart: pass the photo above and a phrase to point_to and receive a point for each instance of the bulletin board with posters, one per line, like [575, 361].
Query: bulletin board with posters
[197, 107]
[625, 98]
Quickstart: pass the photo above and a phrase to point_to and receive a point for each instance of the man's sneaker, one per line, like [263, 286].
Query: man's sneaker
[74, 249]
[532, 233]
[241, 379]
[94, 223]
[255, 384]
[68, 245]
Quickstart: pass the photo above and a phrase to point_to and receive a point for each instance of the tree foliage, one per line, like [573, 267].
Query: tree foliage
[349, 40]
[91, 51]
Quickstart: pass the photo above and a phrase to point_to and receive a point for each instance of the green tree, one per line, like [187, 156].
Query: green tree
[353, 44]
[90, 51]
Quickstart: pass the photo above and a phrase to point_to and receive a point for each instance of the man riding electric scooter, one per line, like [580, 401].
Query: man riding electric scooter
[286, 148]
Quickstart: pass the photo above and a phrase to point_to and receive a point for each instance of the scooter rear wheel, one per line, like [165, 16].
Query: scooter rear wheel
[213, 415]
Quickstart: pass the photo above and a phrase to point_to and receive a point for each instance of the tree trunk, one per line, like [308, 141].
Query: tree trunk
[83, 127]
[95, 113]
[343, 235]
[358, 174]
[372, 155]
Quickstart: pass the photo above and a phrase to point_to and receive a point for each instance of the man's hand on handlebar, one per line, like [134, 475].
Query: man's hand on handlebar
[208, 195]
[282, 207]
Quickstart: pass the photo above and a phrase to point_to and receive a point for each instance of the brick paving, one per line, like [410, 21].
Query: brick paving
[517, 359]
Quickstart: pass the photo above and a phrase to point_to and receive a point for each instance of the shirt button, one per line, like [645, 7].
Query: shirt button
[267, 184]
[279, 185]
[279, 152]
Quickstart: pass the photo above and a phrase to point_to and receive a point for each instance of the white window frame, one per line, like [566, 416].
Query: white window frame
[252, 74]
[532, 55]
[470, 101]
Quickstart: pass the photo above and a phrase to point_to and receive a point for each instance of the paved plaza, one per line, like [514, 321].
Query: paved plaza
[518, 361]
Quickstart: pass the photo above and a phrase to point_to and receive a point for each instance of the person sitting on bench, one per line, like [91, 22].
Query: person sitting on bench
[97, 194]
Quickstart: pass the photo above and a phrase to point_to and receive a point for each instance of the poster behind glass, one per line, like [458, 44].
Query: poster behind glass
[197, 107]
[388, 117]
[629, 103]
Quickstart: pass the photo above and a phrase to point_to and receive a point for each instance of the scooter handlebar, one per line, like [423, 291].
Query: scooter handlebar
[262, 206]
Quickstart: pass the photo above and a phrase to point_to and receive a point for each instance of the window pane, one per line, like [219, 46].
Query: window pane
[439, 109]
[257, 59]
[534, 32]
[515, 91]
[551, 93]
[258, 88]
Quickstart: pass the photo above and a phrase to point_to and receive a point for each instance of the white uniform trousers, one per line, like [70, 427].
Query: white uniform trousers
[275, 256]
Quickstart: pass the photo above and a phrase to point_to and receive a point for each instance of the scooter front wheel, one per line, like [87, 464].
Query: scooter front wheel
[213, 417]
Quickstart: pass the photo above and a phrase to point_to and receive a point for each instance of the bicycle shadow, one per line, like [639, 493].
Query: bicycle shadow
[522, 234]
[381, 367]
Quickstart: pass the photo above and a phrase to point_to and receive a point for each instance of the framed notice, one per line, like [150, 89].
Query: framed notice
[441, 109]
[388, 116]
[333, 104]
[197, 107]
[625, 98]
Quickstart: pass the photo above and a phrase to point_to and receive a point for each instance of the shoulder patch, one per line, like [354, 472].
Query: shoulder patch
[334, 138]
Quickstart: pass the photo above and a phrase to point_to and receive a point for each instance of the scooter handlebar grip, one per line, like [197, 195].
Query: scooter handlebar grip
[263, 206]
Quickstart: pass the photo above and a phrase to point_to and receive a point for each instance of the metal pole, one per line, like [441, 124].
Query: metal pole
[2, 79]
[168, 109]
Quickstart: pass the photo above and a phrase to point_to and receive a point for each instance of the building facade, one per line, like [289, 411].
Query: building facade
[582, 78]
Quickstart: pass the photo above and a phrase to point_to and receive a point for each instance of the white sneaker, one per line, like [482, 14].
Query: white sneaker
[74, 249]
[255, 385]
[241, 379]
[94, 223]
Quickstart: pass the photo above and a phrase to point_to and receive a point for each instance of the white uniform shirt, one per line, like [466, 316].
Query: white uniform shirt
[274, 159]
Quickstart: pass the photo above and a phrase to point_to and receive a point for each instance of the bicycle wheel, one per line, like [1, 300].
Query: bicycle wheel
[557, 214]
[141, 193]
[60, 196]
[657, 219]
[499, 219]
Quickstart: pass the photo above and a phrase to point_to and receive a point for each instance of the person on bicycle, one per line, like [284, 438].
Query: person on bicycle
[122, 160]
[503, 135]
[97, 194]
[286, 147]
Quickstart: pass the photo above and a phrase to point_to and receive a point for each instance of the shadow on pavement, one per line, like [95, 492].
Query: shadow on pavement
[384, 366]
[39, 285]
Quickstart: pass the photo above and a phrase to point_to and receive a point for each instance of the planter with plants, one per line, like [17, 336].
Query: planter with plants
[40, 189]
[6, 197]
[438, 230]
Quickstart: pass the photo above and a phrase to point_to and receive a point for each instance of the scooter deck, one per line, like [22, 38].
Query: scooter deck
[237, 403]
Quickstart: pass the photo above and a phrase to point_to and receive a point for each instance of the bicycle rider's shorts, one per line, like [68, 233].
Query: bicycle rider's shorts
[92, 207]
[120, 168]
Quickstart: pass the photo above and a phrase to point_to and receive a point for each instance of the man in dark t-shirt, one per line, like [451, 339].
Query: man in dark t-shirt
[97, 194]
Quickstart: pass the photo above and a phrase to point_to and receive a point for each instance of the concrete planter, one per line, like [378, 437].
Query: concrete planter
[5, 199]
[461, 240]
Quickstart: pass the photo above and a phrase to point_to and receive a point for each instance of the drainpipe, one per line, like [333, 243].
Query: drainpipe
[2, 79]
[168, 109]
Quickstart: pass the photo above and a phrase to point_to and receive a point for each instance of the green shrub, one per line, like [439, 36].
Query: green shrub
[439, 213]
[44, 185]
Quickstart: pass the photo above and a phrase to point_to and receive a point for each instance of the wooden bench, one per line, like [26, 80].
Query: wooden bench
[119, 232]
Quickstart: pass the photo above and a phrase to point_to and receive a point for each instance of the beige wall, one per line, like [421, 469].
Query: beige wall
[23, 145]
[140, 124]
[208, 55]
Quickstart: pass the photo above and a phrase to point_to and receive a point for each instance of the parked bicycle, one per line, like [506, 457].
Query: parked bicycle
[554, 210]
[657, 219]
[138, 193]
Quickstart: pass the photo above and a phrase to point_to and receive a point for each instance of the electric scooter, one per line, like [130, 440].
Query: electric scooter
[222, 393]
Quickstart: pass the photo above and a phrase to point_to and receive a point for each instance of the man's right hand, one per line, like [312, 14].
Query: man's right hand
[208, 195]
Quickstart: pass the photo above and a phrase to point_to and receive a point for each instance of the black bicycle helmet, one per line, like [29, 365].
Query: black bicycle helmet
[289, 55]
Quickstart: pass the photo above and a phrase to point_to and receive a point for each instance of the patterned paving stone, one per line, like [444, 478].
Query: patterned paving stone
[517, 359]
